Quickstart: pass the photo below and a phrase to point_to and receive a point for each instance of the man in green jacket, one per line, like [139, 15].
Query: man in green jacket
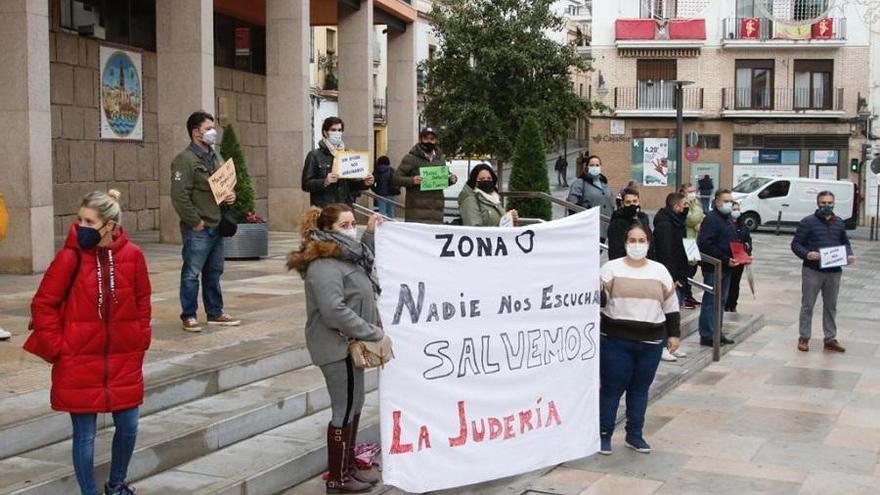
[422, 206]
[199, 217]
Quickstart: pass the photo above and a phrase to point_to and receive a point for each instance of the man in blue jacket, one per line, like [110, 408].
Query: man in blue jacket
[822, 229]
[716, 234]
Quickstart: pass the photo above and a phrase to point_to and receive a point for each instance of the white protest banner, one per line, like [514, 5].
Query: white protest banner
[655, 162]
[831, 257]
[223, 181]
[496, 344]
[352, 164]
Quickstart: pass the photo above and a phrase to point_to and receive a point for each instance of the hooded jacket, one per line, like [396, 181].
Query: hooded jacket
[421, 206]
[91, 320]
[589, 191]
[669, 231]
[318, 164]
[478, 209]
[617, 233]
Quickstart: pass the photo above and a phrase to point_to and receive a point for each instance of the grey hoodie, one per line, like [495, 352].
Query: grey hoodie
[341, 304]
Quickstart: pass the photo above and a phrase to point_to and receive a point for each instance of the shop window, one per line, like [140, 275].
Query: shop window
[126, 22]
[812, 84]
[754, 84]
[239, 45]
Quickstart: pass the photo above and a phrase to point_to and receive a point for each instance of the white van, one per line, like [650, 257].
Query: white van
[763, 198]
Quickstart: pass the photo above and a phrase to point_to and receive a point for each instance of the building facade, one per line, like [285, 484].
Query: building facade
[773, 88]
[73, 122]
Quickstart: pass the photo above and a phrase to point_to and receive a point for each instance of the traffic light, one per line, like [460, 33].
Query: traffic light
[854, 165]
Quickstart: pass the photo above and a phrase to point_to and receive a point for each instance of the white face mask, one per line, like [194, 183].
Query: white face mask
[210, 137]
[335, 137]
[735, 214]
[691, 196]
[636, 251]
[595, 171]
[352, 232]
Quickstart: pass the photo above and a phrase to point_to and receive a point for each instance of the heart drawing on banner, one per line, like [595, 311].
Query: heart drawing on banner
[526, 241]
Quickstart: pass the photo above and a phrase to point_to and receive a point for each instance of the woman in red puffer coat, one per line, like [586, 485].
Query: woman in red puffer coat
[91, 320]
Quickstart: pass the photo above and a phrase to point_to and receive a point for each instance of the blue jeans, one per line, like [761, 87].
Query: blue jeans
[124, 437]
[385, 208]
[707, 309]
[625, 366]
[202, 255]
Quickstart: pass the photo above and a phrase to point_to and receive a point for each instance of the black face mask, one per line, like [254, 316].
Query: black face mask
[427, 147]
[486, 186]
[630, 211]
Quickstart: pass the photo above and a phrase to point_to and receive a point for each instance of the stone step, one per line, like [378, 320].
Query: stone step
[265, 464]
[27, 421]
[180, 434]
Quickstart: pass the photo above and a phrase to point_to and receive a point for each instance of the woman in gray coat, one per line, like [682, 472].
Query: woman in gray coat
[591, 189]
[341, 306]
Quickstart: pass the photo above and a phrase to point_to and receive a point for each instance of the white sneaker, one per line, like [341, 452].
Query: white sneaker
[680, 353]
[4, 335]
[668, 356]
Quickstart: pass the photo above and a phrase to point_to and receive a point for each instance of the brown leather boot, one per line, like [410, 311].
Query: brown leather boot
[337, 449]
[804, 345]
[834, 345]
[370, 475]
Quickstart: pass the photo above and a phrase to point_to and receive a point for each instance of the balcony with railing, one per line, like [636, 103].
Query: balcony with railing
[664, 33]
[782, 102]
[380, 111]
[740, 32]
[655, 99]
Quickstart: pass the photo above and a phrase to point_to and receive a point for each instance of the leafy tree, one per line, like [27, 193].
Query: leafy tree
[495, 66]
[244, 188]
[530, 172]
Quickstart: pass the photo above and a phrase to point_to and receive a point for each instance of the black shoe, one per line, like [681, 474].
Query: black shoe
[708, 342]
[726, 341]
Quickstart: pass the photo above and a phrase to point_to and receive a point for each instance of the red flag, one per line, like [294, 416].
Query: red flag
[823, 29]
[750, 28]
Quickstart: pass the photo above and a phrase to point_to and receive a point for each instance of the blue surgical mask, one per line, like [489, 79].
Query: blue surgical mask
[335, 137]
[826, 210]
[735, 214]
[594, 171]
[726, 208]
[88, 237]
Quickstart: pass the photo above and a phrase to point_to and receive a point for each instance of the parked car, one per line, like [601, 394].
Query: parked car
[764, 198]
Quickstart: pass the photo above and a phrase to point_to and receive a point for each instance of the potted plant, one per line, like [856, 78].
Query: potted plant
[251, 241]
[327, 63]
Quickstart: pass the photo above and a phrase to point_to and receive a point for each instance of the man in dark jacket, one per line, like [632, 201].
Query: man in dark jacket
[716, 234]
[621, 219]
[706, 186]
[669, 231]
[384, 174]
[319, 180]
[561, 171]
[822, 229]
[199, 215]
[422, 206]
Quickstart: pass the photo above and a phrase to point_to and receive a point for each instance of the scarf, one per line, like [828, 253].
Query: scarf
[332, 148]
[351, 251]
[493, 197]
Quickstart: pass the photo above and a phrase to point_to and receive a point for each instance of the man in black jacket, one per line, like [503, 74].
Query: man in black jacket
[621, 219]
[669, 231]
[319, 180]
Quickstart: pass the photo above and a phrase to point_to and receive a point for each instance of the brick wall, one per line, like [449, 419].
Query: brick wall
[82, 163]
[241, 101]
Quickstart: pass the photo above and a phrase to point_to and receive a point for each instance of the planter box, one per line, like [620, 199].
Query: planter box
[250, 242]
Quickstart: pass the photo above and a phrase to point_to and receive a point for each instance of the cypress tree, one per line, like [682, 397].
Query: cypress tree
[530, 172]
[244, 188]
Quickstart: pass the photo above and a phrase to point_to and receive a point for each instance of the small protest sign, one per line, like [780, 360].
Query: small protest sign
[434, 178]
[223, 181]
[831, 257]
[352, 164]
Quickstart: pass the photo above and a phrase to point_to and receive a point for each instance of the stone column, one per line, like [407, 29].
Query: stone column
[185, 56]
[288, 110]
[356, 74]
[26, 137]
[403, 111]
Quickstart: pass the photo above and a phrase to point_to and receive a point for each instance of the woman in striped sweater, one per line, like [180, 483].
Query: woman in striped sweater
[640, 310]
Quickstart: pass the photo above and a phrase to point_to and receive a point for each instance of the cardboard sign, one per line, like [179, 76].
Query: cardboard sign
[223, 181]
[831, 257]
[434, 178]
[497, 374]
[352, 164]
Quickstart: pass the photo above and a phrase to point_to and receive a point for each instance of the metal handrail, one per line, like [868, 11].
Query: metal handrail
[549, 197]
[376, 197]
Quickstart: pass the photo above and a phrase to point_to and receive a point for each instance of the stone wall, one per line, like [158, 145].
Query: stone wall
[241, 101]
[81, 162]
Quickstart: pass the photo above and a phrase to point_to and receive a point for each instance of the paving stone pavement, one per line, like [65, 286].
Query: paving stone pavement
[766, 419]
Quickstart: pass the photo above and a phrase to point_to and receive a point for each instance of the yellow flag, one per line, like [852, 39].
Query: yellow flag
[792, 31]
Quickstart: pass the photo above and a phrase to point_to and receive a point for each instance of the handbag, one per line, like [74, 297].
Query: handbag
[365, 354]
[228, 224]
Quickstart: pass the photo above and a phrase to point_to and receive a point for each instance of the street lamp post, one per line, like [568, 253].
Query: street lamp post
[679, 129]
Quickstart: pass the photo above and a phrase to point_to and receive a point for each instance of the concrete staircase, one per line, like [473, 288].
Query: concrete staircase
[249, 418]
